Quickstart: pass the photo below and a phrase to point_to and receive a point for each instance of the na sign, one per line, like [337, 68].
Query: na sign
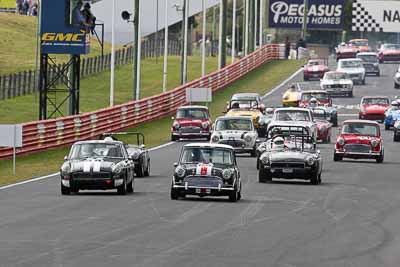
[376, 16]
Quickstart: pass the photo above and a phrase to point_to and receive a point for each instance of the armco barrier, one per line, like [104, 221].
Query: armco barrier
[42, 135]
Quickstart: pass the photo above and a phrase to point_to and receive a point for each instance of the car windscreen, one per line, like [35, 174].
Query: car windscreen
[192, 113]
[350, 64]
[391, 46]
[360, 128]
[318, 96]
[335, 76]
[207, 155]
[319, 114]
[368, 58]
[375, 101]
[359, 43]
[244, 104]
[234, 124]
[314, 63]
[95, 150]
[292, 115]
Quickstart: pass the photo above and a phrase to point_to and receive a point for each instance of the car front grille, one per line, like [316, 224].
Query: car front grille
[203, 181]
[291, 165]
[190, 129]
[357, 148]
[233, 143]
[91, 175]
[336, 86]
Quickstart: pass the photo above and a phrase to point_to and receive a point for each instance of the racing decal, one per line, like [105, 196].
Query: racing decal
[87, 165]
[96, 166]
[203, 170]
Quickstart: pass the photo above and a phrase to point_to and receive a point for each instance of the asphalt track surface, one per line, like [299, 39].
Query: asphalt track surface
[351, 219]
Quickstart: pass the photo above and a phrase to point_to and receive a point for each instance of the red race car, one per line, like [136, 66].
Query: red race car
[389, 52]
[373, 108]
[324, 127]
[361, 45]
[315, 69]
[345, 51]
[359, 139]
[191, 122]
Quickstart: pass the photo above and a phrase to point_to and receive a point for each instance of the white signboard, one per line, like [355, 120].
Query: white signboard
[10, 135]
[198, 95]
[376, 16]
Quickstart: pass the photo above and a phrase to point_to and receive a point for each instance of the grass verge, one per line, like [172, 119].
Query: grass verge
[157, 132]
[95, 89]
[7, 3]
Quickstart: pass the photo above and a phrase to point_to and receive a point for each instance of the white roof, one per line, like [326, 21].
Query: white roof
[187, 107]
[293, 108]
[367, 54]
[361, 121]
[208, 145]
[350, 59]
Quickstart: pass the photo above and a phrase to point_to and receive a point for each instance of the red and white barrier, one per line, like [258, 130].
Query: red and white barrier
[42, 135]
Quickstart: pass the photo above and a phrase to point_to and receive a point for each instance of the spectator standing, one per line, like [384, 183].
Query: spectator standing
[89, 17]
[77, 17]
[19, 6]
[34, 9]
[287, 47]
[26, 7]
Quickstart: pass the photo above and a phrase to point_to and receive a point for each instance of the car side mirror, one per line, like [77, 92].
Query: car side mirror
[65, 158]
[175, 164]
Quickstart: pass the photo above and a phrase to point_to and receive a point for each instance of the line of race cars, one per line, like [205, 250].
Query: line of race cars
[284, 141]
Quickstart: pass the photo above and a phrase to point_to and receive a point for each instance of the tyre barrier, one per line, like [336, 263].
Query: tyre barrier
[52, 133]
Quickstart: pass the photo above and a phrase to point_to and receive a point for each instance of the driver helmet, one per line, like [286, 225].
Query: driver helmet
[313, 102]
[197, 156]
[395, 104]
[276, 131]
[278, 143]
[269, 111]
[292, 87]
[235, 105]
[108, 139]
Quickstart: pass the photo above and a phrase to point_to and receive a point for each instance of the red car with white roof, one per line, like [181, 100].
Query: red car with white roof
[346, 51]
[315, 69]
[374, 107]
[359, 139]
[191, 122]
[389, 52]
[360, 44]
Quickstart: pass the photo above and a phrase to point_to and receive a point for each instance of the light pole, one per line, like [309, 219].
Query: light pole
[261, 41]
[184, 40]
[305, 16]
[246, 32]
[233, 32]
[112, 76]
[255, 23]
[165, 48]
[203, 43]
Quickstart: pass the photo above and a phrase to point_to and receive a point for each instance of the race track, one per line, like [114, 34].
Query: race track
[351, 219]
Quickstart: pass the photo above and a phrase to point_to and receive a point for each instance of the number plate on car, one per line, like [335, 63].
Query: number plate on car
[287, 170]
[203, 191]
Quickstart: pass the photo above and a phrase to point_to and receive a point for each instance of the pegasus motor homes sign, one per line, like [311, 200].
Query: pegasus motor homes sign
[376, 16]
[322, 14]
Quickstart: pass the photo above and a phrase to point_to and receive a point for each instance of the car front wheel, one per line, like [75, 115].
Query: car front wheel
[234, 195]
[337, 157]
[65, 190]
[314, 178]
[380, 158]
[264, 175]
[123, 188]
[174, 193]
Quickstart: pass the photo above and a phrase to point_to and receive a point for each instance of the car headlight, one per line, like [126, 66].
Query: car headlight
[117, 169]
[66, 168]
[215, 139]
[374, 143]
[310, 160]
[264, 159]
[341, 141]
[397, 125]
[176, 125]
[262, 147]
[204, 125]
[135, 155]
[180, 172]
[286, 98]
[227, 174]
[248, 138]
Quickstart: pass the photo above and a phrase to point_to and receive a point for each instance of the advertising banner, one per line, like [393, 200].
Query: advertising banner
[322, 14]
[376, 16]
[59, 33]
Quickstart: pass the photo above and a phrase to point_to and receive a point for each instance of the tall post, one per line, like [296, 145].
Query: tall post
[233, 54]
[157, 40]
[213, 33]
[112, 76]
[255, 23]
[260, 38]
[246, 29]
[165, 48]
[136, 41]
[185, 42]
[203, 43]
[138, 50]
[251, 25]
[305, 16]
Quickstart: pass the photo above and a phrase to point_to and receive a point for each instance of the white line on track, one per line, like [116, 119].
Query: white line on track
[283, 83]
[54, 174]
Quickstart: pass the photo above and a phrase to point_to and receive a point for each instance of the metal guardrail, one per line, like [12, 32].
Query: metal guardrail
[42, 135]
